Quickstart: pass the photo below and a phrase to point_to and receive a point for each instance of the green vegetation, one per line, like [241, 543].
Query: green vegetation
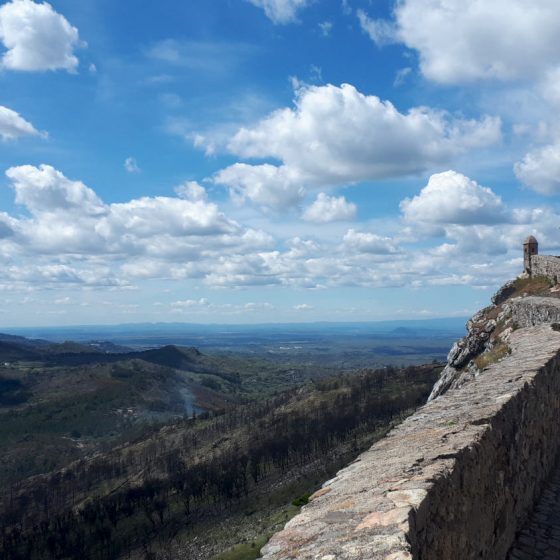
[533, 286]
[245, 551]
[193, 470]
[106, 404]
[109, 399]
[302, 500]
[496, 353]
[171, 450]
[12, 392]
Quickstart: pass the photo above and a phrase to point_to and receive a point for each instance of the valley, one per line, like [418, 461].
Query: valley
[111, 451]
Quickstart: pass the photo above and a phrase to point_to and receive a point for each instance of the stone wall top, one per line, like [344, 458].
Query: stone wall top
[441, 485]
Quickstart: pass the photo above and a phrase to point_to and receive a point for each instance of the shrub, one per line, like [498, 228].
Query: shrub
[301, 501]
[496, 353]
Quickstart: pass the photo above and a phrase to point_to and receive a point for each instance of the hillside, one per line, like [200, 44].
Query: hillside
[60, 402]
[345, 346]
[120, 469]
[522, 302]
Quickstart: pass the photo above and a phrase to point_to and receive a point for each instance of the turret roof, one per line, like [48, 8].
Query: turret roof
[530, 239]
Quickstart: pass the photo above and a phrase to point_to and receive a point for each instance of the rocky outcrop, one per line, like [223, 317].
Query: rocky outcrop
[530, 311]
[455, 480]
[504, 293]
[459, 368]
[492, 326]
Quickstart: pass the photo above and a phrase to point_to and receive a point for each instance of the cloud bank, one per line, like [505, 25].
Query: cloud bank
[451, 233]
[338, 135]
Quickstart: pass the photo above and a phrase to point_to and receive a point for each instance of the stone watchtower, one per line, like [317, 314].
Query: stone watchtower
[530, 248]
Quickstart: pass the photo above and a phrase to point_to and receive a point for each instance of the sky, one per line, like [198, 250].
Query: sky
[248, 161]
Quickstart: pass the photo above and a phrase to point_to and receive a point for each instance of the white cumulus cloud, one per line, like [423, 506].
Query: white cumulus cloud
[191, 190]
[13, 126]
[367, 242]
[266, 185]
[337, 135]
[453, 198]
[461, 41]
[68, 218]
[43, 189]
[540, 169]
[281, 11]
[327, 208]
[36, 37]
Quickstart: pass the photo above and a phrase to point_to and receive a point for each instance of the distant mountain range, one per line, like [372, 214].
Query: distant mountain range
[454, 326]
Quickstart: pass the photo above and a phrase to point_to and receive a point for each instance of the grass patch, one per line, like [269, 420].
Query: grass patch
[245, 551]
[301, 501]
[493, 355]
[534, 286]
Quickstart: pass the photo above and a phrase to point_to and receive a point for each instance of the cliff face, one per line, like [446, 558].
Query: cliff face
[488, 331]
[457, 479]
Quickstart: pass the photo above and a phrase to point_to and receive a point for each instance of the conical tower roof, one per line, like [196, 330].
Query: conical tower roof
[530, 239]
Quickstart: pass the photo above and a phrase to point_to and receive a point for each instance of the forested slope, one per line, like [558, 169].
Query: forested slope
[169, 492]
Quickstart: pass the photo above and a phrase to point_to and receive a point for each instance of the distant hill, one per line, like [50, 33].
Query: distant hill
[38, 348]
[80, 398]
[14, 348]
[404, 331]
[171, 356]
[23, 341]
[108, 347]
[12, 352]
[144, 332]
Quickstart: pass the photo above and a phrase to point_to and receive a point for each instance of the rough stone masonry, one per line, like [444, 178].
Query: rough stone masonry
[454, 481]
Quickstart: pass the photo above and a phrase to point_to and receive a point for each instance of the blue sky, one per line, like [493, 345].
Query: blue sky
[272, 160]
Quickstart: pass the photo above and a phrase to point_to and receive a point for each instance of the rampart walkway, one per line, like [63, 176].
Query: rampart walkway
[454, 480]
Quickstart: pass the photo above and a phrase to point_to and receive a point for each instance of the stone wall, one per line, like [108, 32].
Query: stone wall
[454, 481]
[530, 311]
[546, 265]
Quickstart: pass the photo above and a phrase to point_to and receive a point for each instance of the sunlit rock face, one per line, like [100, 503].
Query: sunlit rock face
[459, 477]
[482, 335]
[492, 327]
[454, 480]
